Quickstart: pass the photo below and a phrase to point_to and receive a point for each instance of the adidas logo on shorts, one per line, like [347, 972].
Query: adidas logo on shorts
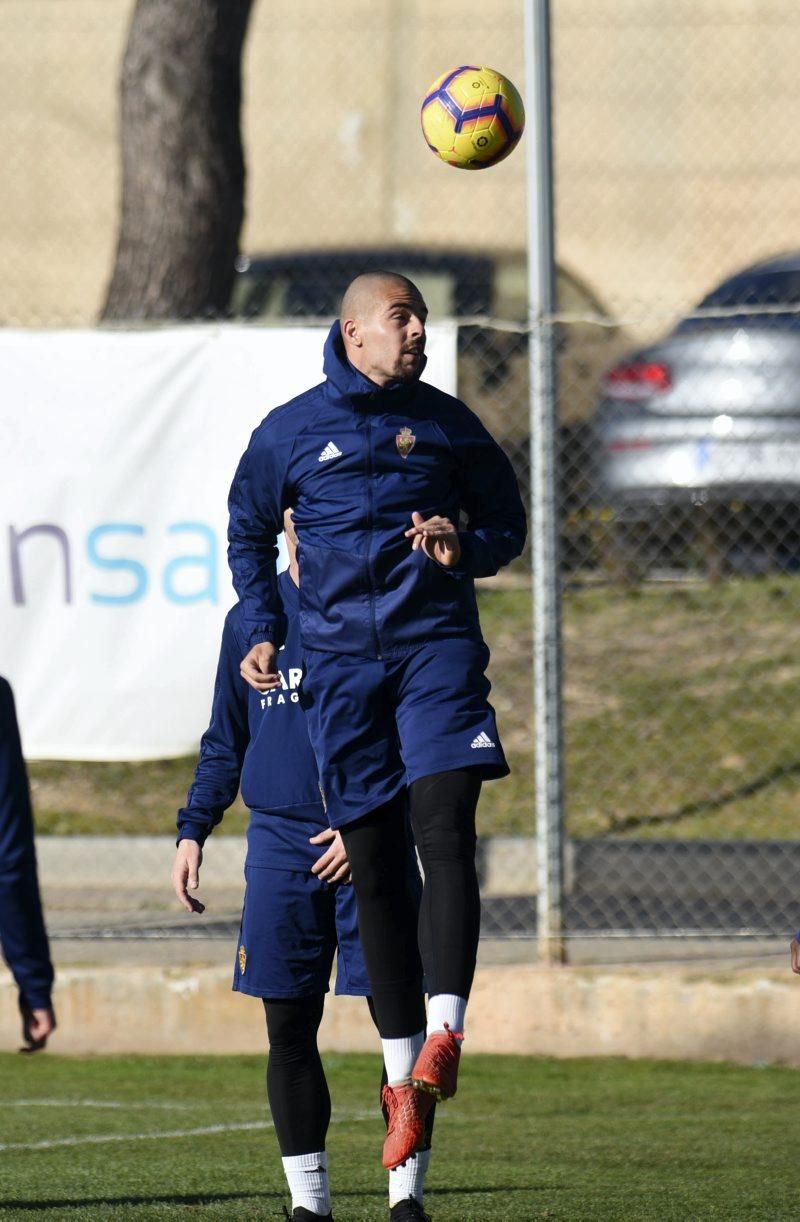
[482, 740]
[331, 451]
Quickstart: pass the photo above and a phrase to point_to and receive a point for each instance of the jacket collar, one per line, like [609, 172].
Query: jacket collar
[345, 382]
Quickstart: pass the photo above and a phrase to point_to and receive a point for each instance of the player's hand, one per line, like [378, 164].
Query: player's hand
[186, 874]
[332, 866]
[259, 667]
[438, 538]
[37, 1026]
[794, 951]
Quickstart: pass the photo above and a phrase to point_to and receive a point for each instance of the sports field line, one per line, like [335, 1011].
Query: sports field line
[100, 1139]
[114, 1104]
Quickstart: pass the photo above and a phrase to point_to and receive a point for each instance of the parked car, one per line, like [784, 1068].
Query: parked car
[710, 414]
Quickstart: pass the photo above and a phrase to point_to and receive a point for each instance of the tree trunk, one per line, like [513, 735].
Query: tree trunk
[182, 160]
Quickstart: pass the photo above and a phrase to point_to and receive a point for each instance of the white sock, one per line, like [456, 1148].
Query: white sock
[446, 1008]
[307, 1177]
[409, 1180]
[399, 1057]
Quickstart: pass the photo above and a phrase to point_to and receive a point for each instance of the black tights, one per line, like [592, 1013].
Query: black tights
[443, 817]
[378, 850]
[296, 1085]
[392, 928]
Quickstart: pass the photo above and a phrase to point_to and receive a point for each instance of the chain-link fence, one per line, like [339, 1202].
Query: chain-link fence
[678, 335]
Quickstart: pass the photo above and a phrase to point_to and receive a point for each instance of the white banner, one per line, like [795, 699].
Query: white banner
[118, 450]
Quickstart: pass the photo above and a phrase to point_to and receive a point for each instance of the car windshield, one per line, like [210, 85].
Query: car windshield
[752, 291]
[311, 286]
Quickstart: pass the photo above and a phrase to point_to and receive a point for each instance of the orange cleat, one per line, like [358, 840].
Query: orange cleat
[436, 1068]
[406, 1111]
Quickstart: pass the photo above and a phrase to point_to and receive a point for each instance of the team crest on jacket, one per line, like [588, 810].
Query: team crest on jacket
[405, 442]
[242, 959]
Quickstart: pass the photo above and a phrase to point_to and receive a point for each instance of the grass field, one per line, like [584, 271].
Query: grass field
[526, 1138]
[681, 709]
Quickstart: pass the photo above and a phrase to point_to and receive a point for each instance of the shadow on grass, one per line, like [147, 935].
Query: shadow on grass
[705, 805]
[212, 1198]
[464, 1190]
[196, 1198]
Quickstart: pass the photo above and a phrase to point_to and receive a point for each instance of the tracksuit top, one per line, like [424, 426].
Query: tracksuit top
[261, 741]
[353, 461]
[22, 931]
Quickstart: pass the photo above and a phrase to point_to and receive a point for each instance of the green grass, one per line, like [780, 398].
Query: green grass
[526, 1138]
[138, 799]
[682, 719]
[681, 710]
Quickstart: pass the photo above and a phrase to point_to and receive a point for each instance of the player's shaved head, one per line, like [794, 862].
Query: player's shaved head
[382, 323]
[367, 292]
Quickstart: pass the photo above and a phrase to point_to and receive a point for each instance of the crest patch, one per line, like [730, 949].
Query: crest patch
[242, 959]
[405, 442]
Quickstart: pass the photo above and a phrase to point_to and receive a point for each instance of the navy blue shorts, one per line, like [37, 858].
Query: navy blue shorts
[379, 725]
[292, 924]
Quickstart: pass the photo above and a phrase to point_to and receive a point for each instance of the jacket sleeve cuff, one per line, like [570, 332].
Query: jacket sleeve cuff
[259, 637]
[469, 565]
[274, 633]
[193, 831]
[35, 999]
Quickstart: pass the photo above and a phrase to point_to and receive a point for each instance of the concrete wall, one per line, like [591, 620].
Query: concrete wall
[664, 1012]
[675, 121]
[731, 1000]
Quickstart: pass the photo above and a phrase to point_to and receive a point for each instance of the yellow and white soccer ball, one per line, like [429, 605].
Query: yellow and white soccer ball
[472, 117]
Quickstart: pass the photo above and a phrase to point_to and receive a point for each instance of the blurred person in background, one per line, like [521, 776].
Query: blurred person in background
[22, 931]
[380, 468]
[794, 955]
[299, 907]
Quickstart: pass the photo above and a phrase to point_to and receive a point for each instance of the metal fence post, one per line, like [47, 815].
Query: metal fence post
[544, 487]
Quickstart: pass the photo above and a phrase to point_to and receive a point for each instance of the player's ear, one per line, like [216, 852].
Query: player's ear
[351, 332]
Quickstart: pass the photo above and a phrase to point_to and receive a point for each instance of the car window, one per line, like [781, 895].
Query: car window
[454, 285]
[750, 291]
[311, 285]
[764, 288]
[317, 293]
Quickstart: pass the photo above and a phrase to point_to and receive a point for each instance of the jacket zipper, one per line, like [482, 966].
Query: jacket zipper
[371, 512]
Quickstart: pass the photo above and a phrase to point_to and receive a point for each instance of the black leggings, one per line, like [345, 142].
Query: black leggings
[443, 810]
[388, 903]
[393, 928]
[296, 1085]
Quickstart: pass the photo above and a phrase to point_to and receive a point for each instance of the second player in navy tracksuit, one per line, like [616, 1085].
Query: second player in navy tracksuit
[380, 469]
[22, 931]
[293, 920]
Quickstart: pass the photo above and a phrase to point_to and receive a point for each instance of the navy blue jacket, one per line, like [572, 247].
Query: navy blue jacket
[22, 931]
[354, 460]
[261, 741]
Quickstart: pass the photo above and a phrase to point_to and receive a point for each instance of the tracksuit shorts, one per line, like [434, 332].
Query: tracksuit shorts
[292, 925]
[377, 725]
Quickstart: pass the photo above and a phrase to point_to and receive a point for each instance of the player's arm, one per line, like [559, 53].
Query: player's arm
[216, 778]
[23, 938]
[496, 522]
[255, 509]
[25, 949]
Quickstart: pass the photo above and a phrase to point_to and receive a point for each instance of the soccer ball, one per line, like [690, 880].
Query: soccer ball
[472, 117]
